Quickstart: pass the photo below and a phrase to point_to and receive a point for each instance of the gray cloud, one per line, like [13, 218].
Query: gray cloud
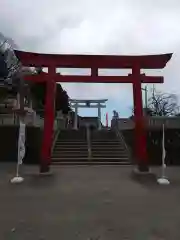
[97, 26]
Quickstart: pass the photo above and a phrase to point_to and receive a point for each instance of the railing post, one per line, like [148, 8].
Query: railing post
[88, 136]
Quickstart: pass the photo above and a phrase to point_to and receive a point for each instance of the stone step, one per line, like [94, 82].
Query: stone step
[103, 137]
[95, 158]
[110, 150]
[106, 142]
[89, 162]
[70, 149]
[113, 147]
[70, 159]
[71, 136]
[71, 144]
[71, 140]
[106, 158]
[109, 154]
[94, 152]
[75, 133]
[70, 154]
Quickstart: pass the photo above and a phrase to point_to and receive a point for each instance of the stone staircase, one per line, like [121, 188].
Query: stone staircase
[107, 148]
[70, 147]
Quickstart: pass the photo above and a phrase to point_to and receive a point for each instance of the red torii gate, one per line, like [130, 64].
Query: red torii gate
[94, 62]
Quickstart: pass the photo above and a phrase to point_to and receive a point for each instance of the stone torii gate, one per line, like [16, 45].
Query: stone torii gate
[95, 63]
[98, 104]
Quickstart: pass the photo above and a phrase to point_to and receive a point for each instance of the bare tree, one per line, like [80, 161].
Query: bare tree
[163, 104]
[11, 78]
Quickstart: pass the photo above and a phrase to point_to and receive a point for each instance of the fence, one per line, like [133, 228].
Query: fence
[150, 123]
[30, 120]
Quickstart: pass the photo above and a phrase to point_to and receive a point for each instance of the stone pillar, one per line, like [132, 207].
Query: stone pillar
[76, 116]
[99, 116]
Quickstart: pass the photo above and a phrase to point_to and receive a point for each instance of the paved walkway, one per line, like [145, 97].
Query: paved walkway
[88, 203]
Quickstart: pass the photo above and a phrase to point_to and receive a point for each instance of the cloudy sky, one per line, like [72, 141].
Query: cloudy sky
[98, 27]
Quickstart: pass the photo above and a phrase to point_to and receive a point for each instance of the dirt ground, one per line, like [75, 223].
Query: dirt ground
[88, 203]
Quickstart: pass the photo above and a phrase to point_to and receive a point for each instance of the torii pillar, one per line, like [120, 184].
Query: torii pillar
[140, 132]
[48, 121]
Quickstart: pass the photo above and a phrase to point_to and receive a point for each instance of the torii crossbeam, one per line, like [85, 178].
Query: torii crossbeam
[94, 62]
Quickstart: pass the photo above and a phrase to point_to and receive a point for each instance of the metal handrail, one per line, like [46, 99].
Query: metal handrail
[88, 137]
[119, 134]
[56, 134]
